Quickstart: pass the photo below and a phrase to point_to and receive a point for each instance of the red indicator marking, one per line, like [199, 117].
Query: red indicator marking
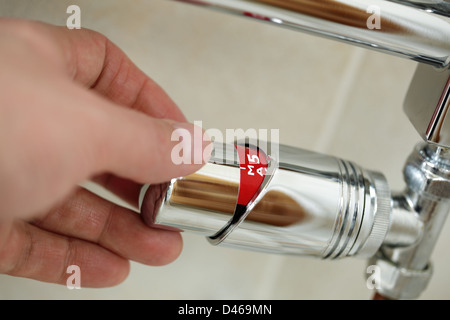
[253, 165]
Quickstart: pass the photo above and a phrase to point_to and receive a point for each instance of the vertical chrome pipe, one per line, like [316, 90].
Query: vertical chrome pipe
[406, 270]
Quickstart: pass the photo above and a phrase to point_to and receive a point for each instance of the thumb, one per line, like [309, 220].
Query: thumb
[79, 135]
[144, 149]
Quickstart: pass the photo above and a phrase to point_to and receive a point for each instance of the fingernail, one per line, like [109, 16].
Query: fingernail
[194, 145]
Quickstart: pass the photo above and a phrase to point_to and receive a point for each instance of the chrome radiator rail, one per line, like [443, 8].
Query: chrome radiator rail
[417, 30]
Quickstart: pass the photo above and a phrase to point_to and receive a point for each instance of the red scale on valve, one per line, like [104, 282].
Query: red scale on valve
[253, 165]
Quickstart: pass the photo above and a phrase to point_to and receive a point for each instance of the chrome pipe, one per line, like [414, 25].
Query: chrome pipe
[406, 270]
[406, 229]
[417, 30]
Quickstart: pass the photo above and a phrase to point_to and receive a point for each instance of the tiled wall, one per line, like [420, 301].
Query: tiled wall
[230, 72]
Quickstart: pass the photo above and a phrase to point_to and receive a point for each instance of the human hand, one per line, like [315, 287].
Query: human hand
[73, 107]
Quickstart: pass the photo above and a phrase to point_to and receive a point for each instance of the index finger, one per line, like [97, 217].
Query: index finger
[92, 60]
[95, 62]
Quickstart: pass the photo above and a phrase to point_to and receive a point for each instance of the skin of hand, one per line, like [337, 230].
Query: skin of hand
[74, 107]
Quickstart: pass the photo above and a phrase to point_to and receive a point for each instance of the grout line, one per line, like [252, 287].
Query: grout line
[274, 266]
[343, 91]
[271, 272]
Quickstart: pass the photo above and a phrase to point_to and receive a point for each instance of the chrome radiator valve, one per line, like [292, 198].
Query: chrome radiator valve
[285, 200]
